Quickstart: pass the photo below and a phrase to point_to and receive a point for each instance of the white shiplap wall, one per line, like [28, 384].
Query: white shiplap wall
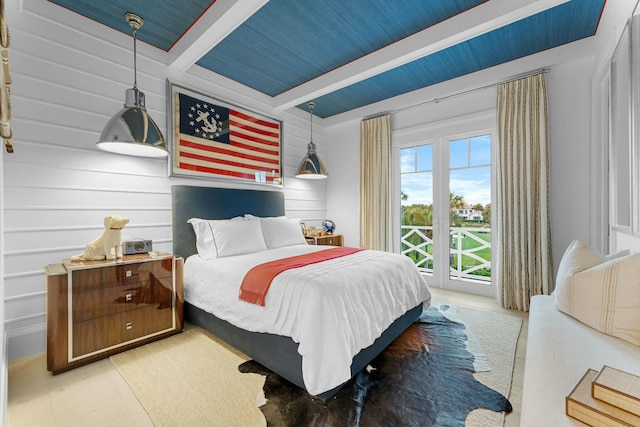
[69, 76]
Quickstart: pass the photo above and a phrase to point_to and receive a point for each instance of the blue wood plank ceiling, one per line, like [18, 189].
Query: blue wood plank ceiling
[283, 46]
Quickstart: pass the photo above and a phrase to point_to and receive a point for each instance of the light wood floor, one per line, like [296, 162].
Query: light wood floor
[96, 394]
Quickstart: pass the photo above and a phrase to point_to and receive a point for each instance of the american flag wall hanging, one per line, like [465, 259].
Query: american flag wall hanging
[212, 139]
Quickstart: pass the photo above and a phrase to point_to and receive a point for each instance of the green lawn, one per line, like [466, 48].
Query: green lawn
[469, 243]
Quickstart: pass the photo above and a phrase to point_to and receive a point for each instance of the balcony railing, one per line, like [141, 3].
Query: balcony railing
[469, 251]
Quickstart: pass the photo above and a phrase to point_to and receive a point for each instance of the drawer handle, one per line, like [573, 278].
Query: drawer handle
[129, 297]
[129, 325]
[128, 273]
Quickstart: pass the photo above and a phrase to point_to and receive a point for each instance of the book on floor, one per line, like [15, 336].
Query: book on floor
[581, 405]
[618, 388]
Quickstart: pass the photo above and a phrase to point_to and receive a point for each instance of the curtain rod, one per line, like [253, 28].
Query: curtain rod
[436, 100]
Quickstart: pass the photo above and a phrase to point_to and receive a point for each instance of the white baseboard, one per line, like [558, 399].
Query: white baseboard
[26, 342]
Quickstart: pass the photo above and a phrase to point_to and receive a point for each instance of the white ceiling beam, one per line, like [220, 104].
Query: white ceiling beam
[465, 26]
[211, 28]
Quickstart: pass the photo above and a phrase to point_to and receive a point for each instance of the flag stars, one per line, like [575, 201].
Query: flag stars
[204, 120]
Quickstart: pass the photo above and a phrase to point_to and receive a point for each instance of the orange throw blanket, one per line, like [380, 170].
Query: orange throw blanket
[257, 281]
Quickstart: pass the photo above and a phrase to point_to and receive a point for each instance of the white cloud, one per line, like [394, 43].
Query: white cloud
[473, 184]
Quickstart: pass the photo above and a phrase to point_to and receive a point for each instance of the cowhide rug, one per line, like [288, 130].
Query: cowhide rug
[424, 378]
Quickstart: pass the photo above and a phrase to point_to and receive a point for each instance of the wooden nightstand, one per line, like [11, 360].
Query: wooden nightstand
[99, 308]
[325, 239]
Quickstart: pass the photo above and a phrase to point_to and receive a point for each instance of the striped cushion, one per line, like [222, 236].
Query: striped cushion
[606, 297]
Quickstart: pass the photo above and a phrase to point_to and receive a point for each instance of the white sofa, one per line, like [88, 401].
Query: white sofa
[560, 349]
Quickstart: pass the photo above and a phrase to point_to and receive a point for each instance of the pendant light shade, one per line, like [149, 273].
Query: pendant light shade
[311, 167]
[132, 131]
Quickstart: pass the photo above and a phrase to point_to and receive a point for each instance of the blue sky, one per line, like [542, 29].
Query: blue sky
[470, 173]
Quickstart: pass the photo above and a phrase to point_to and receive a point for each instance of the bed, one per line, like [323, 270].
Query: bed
[279, 353]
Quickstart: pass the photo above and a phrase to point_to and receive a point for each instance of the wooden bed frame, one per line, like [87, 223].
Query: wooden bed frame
[276, 352]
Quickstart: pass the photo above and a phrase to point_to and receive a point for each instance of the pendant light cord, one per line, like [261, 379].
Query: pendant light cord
[135, 64]
[135, 22]
[311, 128]
[311, 105]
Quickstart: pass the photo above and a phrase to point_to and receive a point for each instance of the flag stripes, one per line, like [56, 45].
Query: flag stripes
[208, 152]
[222, 172]
[244, 141]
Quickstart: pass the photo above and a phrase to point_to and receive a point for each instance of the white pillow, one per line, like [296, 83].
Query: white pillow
[204, 238]
[607, 297]
[281, 231]
[257, 218]
[576, 258]
[237, 237]
[205, 242]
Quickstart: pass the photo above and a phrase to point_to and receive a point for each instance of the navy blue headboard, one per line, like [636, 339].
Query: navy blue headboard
[216, 203]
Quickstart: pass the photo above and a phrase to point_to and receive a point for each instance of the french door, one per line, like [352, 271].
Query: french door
[444, 200]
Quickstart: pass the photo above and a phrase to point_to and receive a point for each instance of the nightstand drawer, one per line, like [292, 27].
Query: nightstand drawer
[103, 332]
[96, 278]
[116, 299]
[326, 239]
[330, 240]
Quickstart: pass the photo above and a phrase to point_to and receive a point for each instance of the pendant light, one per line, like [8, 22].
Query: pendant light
[131, 131]
[311, 167]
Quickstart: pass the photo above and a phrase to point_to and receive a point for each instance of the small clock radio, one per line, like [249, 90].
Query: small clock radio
[140, 246]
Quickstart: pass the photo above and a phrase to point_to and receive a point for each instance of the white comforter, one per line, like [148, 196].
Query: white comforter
[333, 309]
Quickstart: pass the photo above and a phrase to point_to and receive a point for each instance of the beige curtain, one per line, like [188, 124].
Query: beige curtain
[375, 183]
[524, 235]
